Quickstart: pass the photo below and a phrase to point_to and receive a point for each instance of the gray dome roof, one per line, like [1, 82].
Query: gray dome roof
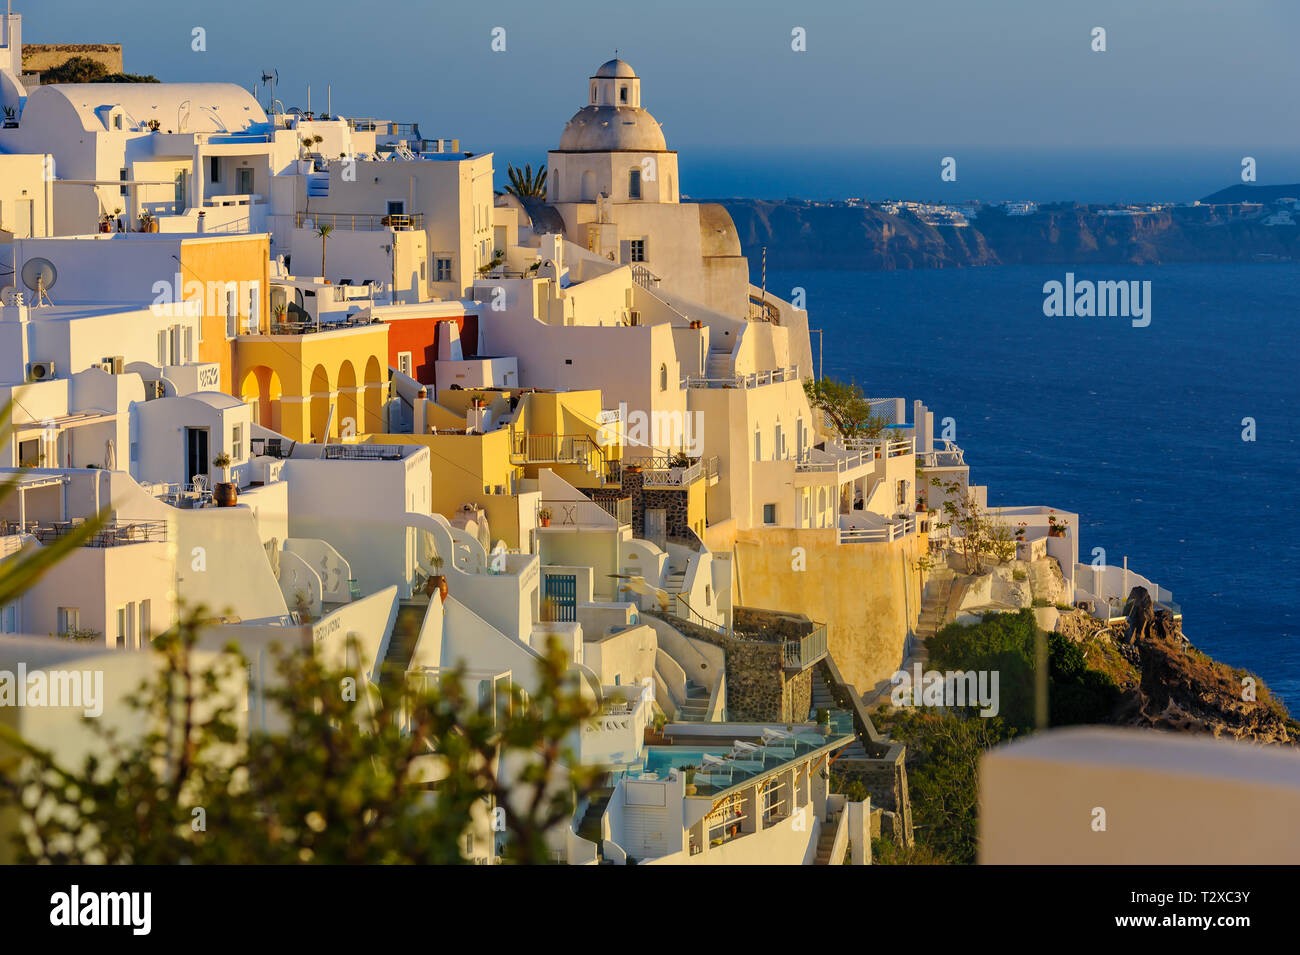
[614, 68]
[602, 129]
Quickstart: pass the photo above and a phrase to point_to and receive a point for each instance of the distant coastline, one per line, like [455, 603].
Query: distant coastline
[1239, 224]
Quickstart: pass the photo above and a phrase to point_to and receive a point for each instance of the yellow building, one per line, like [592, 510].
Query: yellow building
[560, 431]
[314, 384]
[240, 263]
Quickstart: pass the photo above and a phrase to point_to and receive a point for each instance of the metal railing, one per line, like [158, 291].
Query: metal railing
[361, 452]
[312, 328]
[112, 534]
[556, 449]
[360, 221]
[587, 513]
[643, 277]
[801, 653]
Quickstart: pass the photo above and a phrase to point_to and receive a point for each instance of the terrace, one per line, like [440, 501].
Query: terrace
[360, 221]
[752, 380]
[111, 534]
[675, 470]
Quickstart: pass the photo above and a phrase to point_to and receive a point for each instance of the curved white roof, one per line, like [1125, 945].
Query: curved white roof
[178, 107]
[600, 129]
[614, 68]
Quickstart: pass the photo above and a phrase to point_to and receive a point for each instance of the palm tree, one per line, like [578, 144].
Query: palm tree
[323, 233]
[525, 184]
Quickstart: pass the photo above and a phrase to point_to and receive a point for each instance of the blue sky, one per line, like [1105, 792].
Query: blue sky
[722, 73]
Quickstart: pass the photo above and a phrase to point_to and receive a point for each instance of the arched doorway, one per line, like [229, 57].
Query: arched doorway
[349, 417]
[261, 389]
[375, 387]
[320, 404]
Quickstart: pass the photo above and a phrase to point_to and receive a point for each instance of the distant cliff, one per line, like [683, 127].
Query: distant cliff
[803, 235]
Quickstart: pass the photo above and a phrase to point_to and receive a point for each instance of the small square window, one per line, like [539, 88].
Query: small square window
[636, 250]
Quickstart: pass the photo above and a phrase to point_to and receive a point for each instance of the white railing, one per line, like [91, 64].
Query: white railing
[878, 447]
[753, 380]
[894, 530]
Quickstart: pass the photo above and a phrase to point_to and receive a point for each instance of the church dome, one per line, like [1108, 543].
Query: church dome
[612, 69]
[602, 129]
[613, 119]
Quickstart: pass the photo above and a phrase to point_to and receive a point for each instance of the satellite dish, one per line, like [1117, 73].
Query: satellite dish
[39, 275]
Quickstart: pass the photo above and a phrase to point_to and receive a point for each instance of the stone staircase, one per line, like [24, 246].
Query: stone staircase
[589, 827]
[406, 631]
[934, 614]
[718, 364]
[826, 840]
[822, 700]
[695, 708]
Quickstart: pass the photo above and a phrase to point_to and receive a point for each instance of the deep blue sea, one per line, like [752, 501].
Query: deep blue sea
[1137, 429]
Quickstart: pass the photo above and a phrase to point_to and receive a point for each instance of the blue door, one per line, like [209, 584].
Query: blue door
[561, 598]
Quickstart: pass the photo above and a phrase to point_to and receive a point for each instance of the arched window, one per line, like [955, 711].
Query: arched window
[663, 377]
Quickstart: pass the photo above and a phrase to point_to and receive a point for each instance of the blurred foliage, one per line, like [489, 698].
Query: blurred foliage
[341, 782]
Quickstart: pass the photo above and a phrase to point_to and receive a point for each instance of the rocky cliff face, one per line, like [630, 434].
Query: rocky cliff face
[799, 235]
[1182, 689]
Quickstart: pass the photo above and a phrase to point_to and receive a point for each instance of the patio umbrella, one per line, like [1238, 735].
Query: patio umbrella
[110, 456]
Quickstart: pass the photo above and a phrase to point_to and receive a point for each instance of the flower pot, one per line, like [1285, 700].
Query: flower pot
[825, 728]
[546, 521]
[225, 493]
[1055, 532]
[437, 582]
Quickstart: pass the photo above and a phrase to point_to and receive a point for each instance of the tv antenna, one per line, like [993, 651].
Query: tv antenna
[39, 275]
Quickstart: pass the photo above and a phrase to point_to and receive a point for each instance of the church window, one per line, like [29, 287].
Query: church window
[634, 184]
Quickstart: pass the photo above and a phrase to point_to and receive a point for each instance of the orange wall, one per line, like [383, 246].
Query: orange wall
[228, 259]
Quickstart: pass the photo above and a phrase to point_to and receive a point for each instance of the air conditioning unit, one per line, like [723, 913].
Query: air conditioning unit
[104, 366]
[116, 364]
[40, 371]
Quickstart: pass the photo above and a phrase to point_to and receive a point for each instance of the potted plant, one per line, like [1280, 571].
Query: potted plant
[11, 118]
[279, 309]
[689, 772]
[438, 581]
[1020, 531]
[1056, 528]
[225, 493]
[154, 125]
[106, 222]
[147, 222]
[544, 515]
[824, 721]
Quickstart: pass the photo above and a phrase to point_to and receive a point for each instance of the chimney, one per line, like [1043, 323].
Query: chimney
[203, 226]
[420, 423]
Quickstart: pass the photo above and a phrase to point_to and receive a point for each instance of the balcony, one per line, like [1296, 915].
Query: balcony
[315, 328]
[754, 380]
[663, 471]
[360, 221]
[892, 531]
[554, 448]
[587, 513]
[112, 534]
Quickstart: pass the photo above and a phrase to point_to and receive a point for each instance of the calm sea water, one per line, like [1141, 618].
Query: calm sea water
[1137, 429]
